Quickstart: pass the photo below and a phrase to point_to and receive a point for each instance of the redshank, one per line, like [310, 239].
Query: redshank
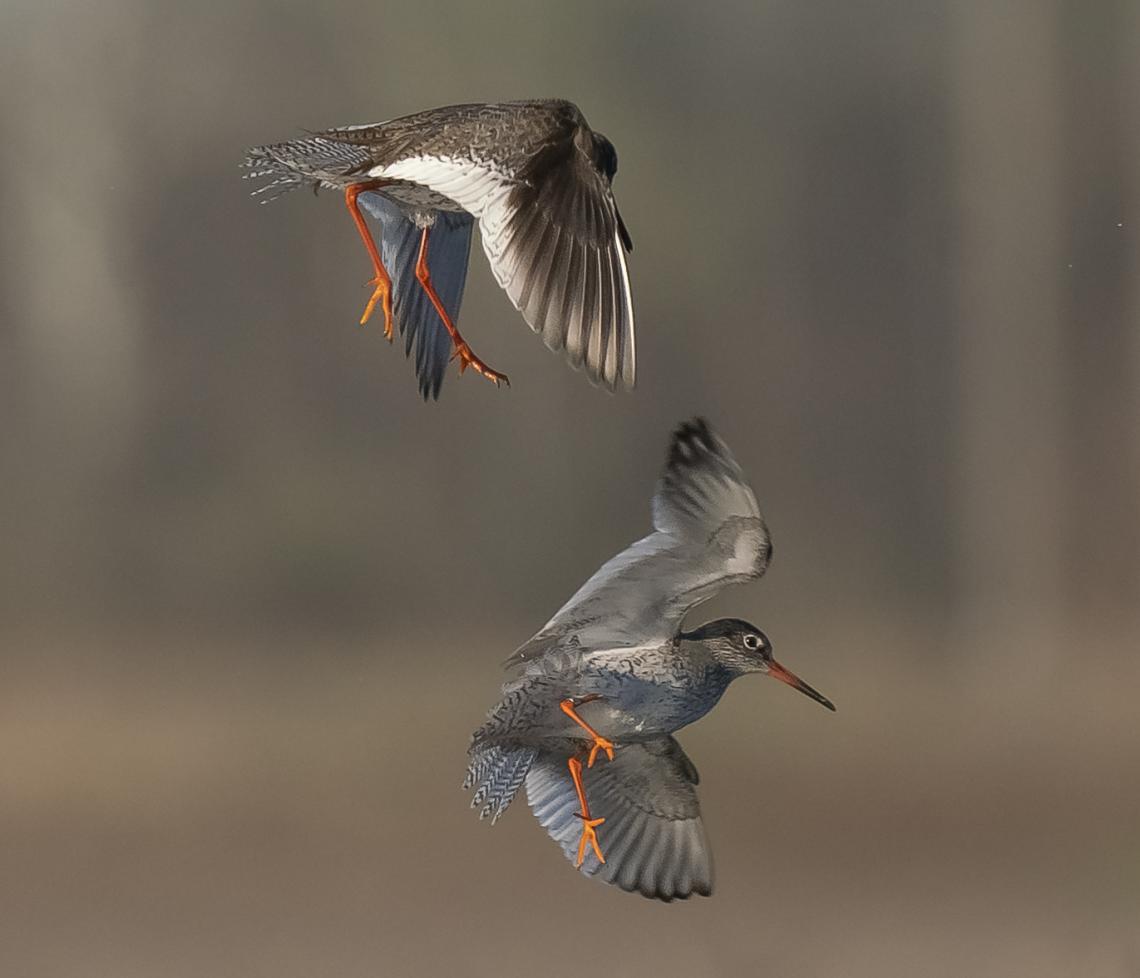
[588, 724]
[537, 178]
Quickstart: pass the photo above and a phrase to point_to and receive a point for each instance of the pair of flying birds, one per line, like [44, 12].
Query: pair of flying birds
[608, 680]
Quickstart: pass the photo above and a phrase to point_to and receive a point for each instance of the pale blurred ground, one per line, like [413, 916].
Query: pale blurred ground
[254, 593]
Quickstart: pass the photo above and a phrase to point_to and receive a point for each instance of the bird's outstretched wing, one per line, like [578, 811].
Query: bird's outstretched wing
[549, 224]
[708, 533]
[653, 838]
[449, 246]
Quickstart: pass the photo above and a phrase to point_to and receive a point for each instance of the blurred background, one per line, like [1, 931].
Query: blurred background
[254, 593]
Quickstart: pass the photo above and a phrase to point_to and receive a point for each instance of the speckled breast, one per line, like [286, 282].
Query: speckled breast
[637, 704]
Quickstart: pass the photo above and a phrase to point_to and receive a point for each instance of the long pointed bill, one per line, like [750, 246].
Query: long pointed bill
[777, 671]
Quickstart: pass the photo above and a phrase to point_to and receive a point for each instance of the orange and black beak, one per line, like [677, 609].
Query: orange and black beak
[777, 671]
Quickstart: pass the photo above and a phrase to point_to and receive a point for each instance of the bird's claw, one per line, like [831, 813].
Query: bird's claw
[600, 743]
[467, 358]
[590, 837]
[382, 293]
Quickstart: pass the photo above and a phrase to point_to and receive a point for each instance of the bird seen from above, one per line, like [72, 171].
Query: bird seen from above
[538, 180]
[587, 723]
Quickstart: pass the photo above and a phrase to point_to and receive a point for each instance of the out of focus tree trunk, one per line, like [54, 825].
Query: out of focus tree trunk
[1127, 119]
[1008, 464]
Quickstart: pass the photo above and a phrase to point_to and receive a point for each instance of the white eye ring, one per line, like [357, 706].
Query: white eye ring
[751, 642]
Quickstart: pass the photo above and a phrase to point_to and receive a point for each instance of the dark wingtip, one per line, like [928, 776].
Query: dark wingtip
[654, 894]
[430, 376]
[694, 426]
[691, 439]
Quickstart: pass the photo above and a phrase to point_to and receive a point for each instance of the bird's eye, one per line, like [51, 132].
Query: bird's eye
[751, 642]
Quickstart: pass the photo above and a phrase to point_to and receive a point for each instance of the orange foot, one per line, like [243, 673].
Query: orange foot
[467, 358]
[383, 294]
[591, 837]
[600, 742]
[382, 283]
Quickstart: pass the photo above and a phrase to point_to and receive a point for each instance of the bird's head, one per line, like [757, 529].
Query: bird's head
[605, 156]
[741, 648]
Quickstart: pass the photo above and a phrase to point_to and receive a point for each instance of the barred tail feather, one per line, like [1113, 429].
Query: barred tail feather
[310, 162]
[496, 774]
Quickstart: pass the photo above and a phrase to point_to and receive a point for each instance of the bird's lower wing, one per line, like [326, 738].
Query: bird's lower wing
[653, 838]
[449, 248]
[554, 241]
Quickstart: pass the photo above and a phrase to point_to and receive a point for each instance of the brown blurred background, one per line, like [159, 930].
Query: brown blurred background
[254, 592]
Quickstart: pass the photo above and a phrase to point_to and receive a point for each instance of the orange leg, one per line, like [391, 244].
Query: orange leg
[600, 742]
[467, 358]
[383, 284]
[589, 836]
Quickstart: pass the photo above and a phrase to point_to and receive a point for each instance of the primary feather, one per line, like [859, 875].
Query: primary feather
[708, 533]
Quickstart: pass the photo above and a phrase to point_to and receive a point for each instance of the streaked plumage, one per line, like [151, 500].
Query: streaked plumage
[618, 651]
[538, 181]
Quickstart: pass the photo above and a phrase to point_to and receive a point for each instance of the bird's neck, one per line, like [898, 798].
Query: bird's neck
[707, 670]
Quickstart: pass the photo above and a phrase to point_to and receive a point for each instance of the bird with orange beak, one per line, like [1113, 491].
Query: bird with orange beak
[588, 725]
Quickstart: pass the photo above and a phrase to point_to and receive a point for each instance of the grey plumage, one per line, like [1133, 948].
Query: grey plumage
[655, 839]
[537, 179]
[707, 533]
[448, 249]
[618, 652]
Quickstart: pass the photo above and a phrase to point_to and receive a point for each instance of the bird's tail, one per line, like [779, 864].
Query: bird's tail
[496, 773]
[310, 162]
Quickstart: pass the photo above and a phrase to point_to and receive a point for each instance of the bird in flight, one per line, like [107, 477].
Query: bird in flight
[538, 180]
[588, 724]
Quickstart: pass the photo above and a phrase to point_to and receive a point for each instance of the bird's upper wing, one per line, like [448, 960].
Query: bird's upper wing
[449, 246]
[708, 533]
[653, 839]
[551, 231]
